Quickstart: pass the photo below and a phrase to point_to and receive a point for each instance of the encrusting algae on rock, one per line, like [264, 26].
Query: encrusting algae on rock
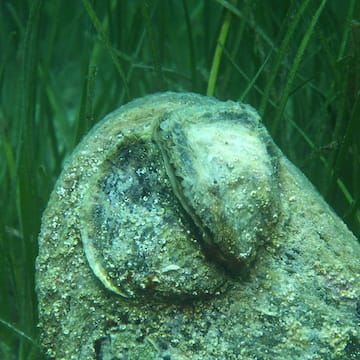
[178, 230]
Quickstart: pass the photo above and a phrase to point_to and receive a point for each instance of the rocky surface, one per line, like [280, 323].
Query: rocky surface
[193, 238]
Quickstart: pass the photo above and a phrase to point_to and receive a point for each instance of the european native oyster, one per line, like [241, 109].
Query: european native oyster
[136, 238]
[178, 230]
[217, 159]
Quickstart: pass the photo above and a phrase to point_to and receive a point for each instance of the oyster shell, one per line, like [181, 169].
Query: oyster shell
[175, 205]
[217, 158]
[136, 238]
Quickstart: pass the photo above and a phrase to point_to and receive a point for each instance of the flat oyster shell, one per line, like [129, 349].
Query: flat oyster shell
[136, 237]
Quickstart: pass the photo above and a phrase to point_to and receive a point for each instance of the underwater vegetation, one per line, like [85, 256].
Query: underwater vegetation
[63, 66]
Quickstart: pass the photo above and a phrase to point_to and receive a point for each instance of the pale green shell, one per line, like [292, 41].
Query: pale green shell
[217, 158]
[180, 201]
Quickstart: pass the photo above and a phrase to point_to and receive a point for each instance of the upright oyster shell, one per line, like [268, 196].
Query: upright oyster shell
[139, 239]
[217, 158]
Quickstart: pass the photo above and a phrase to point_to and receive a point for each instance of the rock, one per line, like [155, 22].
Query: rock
[178, 230]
